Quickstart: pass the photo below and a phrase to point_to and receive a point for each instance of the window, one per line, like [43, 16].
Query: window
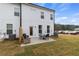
[9, 28]
[40, 29]
[48, 29]
[16, 11]
[42, 15]
[51, 16]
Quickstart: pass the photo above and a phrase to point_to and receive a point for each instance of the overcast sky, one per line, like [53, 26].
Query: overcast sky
[66, 13]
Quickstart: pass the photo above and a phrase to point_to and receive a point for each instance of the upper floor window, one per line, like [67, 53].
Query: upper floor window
[42, 15]
[51, 16]
[16, 12]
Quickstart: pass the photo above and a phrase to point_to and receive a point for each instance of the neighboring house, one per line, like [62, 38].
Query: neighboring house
[35, 19]
[76, 29]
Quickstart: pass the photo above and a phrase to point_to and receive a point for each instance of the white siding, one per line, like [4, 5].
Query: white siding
[7, 17]
[31, 16]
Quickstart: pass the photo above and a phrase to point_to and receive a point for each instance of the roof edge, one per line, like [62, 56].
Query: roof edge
[41, 7]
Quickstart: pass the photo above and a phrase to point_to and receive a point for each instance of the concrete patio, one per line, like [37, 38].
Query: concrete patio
[37, 41]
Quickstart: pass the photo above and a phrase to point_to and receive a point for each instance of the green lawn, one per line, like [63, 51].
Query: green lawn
[65, 45]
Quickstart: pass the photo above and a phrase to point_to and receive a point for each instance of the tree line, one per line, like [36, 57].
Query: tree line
[65, 27]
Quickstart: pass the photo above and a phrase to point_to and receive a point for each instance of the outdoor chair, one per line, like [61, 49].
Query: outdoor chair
[47, 36]
[26, 38]
[40, 36]
[44, 37]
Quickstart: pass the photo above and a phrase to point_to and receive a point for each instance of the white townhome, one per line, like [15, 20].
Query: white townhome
[35, 19]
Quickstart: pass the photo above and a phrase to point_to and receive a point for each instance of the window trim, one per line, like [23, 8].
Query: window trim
[42, 15]
[9, 29]
[16, 14]
[16, 11]
[48, 28]
[40, 29]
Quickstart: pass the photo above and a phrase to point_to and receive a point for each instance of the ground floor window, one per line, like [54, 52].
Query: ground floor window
[40, 29]
[48, 29]
[9, 28]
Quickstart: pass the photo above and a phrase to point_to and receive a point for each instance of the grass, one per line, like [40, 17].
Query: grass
[65, 45]
[10, 48]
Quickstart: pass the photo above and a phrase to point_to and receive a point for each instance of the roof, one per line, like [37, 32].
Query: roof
[40, 7]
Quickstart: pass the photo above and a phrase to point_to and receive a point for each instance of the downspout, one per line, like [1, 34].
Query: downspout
[20, 27]
[54, 22]
[20, 15]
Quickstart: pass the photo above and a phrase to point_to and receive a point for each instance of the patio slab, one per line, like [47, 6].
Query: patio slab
[37, 41]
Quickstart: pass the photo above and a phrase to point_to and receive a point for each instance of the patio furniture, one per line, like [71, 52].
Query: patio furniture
[26, 38]
[44, 37]
[47, 36]
[40, 36]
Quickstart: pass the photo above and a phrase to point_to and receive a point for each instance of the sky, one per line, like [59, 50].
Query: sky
[65, 13]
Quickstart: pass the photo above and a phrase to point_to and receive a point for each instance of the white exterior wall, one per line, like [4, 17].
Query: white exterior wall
[31, 16]
[7, 17]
